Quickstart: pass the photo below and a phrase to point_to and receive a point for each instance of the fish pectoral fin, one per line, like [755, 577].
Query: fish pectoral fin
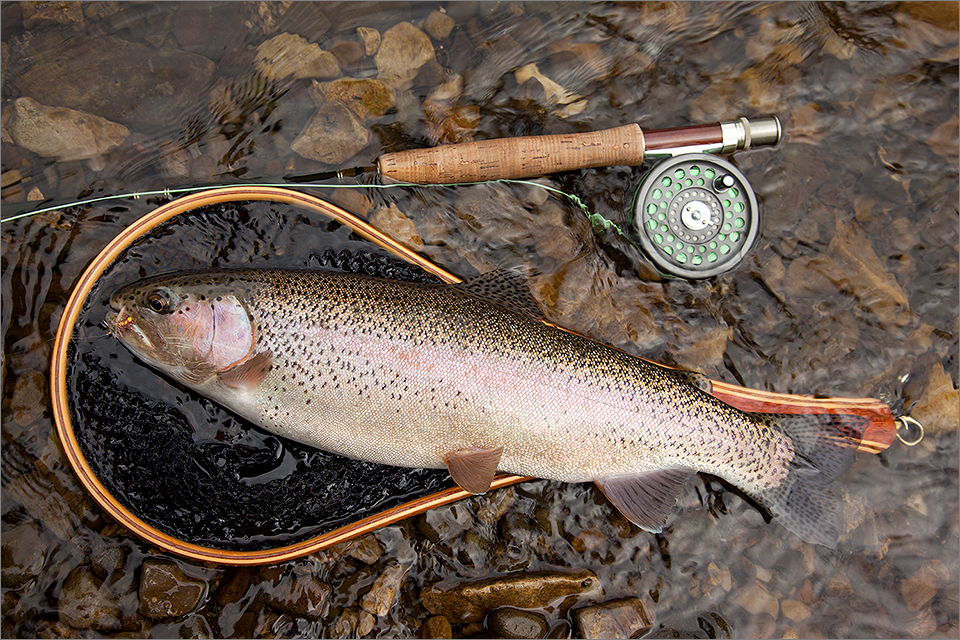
[249, 373]
[474, 468]
[646, 499]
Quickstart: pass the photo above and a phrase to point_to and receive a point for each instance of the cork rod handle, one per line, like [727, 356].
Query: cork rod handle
[522, 157]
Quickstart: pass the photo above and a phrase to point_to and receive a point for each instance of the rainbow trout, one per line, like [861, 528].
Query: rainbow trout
[467, 377]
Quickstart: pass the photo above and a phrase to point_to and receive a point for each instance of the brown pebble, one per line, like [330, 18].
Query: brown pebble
[436, 627]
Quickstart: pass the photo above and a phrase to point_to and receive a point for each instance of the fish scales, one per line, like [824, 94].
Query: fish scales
[368, 359]
[436, 376]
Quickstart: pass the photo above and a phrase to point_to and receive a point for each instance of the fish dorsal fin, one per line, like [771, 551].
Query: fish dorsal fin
[508, 289]
[646, 499]
[248, 374]
[474, 468]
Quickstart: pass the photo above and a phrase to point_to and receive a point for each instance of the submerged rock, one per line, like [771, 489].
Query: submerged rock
[299, 593]
[403, 50]
[333, 135]
[471, 601]
[85, 604]
[510, 622]
[22, 554]
[366, 97]
[65, 134]
[626, 618]
[436, 627]
[385, 590]
[167, 592]
[291, 55]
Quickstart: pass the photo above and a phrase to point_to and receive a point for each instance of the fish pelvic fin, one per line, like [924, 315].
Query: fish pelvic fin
[248, 374]
[824, 447]
[646, 499]
[473, 469]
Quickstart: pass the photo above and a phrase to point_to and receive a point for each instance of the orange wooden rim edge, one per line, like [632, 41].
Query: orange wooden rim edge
[61, 411]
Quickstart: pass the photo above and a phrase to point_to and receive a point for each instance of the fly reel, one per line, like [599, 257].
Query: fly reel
[696, 216]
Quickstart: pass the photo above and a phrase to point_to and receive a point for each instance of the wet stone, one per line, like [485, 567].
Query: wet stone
[300, 594]
[366, 97]
[403, 50]
[85, 604]
[627, 618]
[65, 134]
[436, 627]
[333, 135]
[167, 592]
[470, 601]
[367, 550]
[385, 590]
[438, 25]
[354, 623]
[22, 554]
[288, 55]
[508, 622]
[107, 561]
[494, 504]
[233, 586]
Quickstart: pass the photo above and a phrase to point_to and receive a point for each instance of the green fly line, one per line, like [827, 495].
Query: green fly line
[597, 220]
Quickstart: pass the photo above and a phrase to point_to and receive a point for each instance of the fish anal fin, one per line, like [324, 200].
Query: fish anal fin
[249, 373]
[646, 499]
[473, 469]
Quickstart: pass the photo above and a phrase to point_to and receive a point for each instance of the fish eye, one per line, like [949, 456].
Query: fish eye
[158, 301]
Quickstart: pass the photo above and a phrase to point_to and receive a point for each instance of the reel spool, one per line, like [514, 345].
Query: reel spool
[696, 216]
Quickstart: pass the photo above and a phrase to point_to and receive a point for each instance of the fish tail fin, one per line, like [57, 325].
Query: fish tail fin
[824, 447]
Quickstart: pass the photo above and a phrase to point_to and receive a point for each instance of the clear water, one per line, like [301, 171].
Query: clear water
[851, 289]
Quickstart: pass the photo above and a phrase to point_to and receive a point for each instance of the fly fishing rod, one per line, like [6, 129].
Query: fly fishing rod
[695, 215]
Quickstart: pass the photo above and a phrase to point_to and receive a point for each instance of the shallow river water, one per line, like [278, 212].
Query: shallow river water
[850, 290]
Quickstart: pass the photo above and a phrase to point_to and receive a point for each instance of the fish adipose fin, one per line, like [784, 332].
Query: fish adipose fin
[473, 469]
[248, 374]
[646, 499]
[825, 446]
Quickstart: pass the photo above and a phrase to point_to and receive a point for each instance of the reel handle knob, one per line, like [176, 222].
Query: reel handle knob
[521, 157]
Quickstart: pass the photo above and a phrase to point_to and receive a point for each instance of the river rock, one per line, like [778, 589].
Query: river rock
[333, 135]
[436, 627]
[354, 623]
[470, 601]
[626, 618]
[233, 586]
[938, 409]
[922, 586]
[300, 594]
[403, 50]
[22, 554]
[85, 604]
[65, 134]
[288, 54]
[167, 592]
[438, 25]
[509, 622]
[366, 97]
[371, 39]
[756, 600]
[385, 590]
[157, 83]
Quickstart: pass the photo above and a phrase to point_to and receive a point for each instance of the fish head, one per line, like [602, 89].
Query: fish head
[190, 327]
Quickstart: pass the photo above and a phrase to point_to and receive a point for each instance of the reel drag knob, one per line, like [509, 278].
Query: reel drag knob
[696, 216]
